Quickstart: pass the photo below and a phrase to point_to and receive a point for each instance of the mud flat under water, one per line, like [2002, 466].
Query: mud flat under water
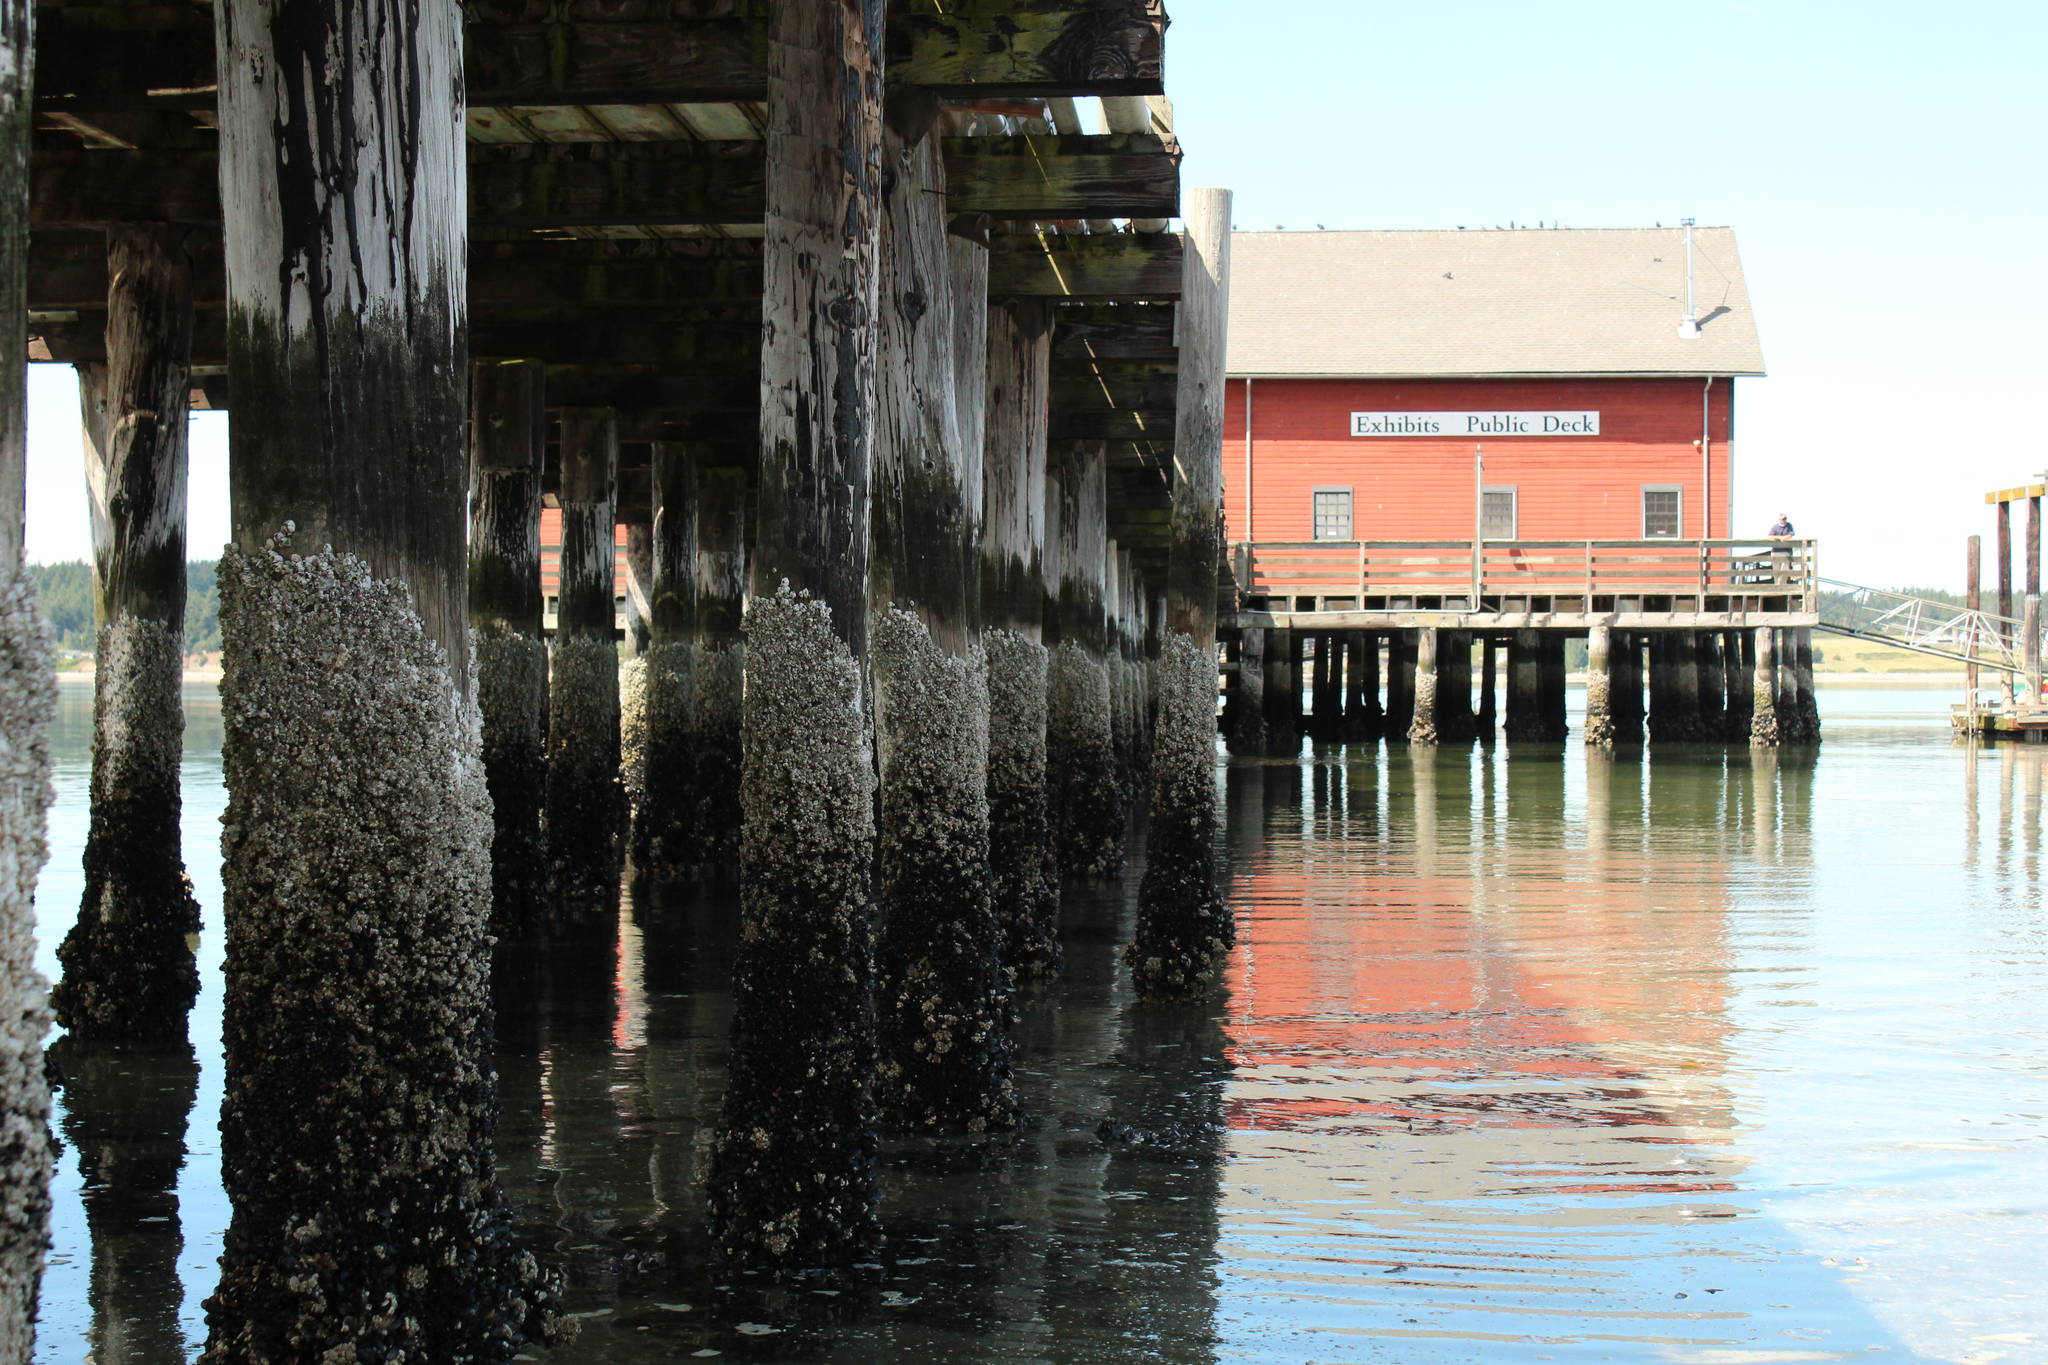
[1525, 1055]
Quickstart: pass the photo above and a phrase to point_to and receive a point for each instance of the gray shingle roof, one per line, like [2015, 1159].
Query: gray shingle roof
[1519, 302]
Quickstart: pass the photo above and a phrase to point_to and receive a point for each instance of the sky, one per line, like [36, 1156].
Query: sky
[1881, 163]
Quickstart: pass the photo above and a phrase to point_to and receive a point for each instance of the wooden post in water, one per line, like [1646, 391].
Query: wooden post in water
[1248, 716]
[1802, 681]
[1554, 727]
[507, 434]
[1600, 687]
[1283, 701]
[2030, 611]
[1089, 810]
[1320, 699]
[1401, 650]
[637, 609]
[718, 665]
[128, 964]
[792, 1180]
[1422, 722]
[2004, 512]
[1023, 876]
[1713, 684]
[665, 825]
[1973, 599]
[1525, 686]
[1764, 728]
[585, 802]
[1184, 930]
[1739, 667]
[356, 905]
[28, 701]
[639, 589]
[941, 996]
[1489, 690]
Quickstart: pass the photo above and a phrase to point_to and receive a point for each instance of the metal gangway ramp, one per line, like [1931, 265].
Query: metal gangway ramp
[1936, 629]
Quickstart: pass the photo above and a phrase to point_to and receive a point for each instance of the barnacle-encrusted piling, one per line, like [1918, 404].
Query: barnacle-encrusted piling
[1599, 687]
[1765, 727]
[507, 430]
[1089, 806]
[358, 1119]
[718, 664]
[1674, 688]
[1184, 930]
[129, 970]
[665, 808]
[1422, 728]
[28, 700]
[586, 810]
[1023, 878]
[792, 1181]
[1807, 709]
[1248, 693]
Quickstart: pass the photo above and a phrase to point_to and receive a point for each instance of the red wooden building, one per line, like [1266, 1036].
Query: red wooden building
[1538, 384]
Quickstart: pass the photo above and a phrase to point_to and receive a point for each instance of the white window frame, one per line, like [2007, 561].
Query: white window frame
[1514, 509]
[1643, 506]
[1350, 514]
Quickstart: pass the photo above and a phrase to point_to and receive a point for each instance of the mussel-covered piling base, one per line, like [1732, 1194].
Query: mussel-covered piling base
[586, 802]
[129, 966]
[1023, 886]
[512, 692]
[1184, 930]
[359, 1111]
[792, 1181]
[717, 696]
[942, 1000]
[28, 701]
[665, 796]
[1089, 801]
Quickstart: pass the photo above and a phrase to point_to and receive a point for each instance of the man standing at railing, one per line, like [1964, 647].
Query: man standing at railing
[1781, 554]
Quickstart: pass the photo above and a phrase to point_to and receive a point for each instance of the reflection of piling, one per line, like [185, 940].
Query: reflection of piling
[1764, 726]
[1184, 931]
[665, 814]
[356, 1129]
[507, 429]
[1023, 879]
[28, 700]
[942, 1011]
[1599, 687]
[125, 1110]
[792, 1179]
[1089, 811]
[1422, 723]
[585, 801]
[128, 963]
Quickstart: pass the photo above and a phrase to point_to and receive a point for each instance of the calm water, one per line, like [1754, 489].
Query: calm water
[1526, 1055]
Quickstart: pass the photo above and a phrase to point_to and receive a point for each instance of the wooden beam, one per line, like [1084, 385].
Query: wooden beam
[1114, 424]
[1102, 331]
[598, 184]
[1115, 265]
[131, 57]
[2033, 490]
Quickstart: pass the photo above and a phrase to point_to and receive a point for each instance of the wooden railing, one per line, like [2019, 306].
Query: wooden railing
[1780, 575]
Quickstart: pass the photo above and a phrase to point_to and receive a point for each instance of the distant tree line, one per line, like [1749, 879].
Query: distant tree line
[67, 600]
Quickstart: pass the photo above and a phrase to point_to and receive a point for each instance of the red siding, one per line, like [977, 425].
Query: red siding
[551, 554]
[1578, 488]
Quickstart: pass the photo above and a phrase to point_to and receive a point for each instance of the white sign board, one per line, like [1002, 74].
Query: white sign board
[1462, 424]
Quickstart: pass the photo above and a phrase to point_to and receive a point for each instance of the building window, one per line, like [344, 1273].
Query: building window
[1333, 513]
[1663, 512]
[1497, 513]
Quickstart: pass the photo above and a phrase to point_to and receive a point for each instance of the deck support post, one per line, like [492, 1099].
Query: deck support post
[1765, 731]
[1808, 710]
[1489, 691]
[1973, 599]
[1283, 701]
[718, 655]
[586, 815]
[1600, 687]
[941, 994]
[1554, 727]
[2004, 511]
[1422, 722]
[1739, 669]
[1455, 718]
[1248, 713]
[639, 587]
[507, 435]
[28, 701]
[128, 964]
[1090, 810]
[1401, 651]
[665, 821]
[1023, 873]
[1525, 687]
[360, 1229]
[1362, 686]
[2030, 608]
[792, 1180]
[1713, 684]
[1184, 929]
[1325, 698]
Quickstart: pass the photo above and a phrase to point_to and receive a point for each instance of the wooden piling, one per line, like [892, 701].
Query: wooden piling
[1455, 719]
[1525, 687]
[1024, 880]
[1713, 684]
[1090, 806]
[1248, 714]
[1801, 649]
[1739, 668]
[792, 1180]
[586, 807]
[1184, 930]
[2004, 515]
[507, 436]
[665, 821]
[1361, 686]
[28, 701]
[1765, 730]
[1555, 729]
[128, 962]
[718, 664]
[356, 1131]
[1283, 698]
[1489, 688]
[941, 995]
[1324, 699]
[1401, 681]
[2030, 609]
[1600, 687]
[1422, 724]
[1973, 599]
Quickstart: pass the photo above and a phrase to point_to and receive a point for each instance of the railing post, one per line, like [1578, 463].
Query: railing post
[1589, 577]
